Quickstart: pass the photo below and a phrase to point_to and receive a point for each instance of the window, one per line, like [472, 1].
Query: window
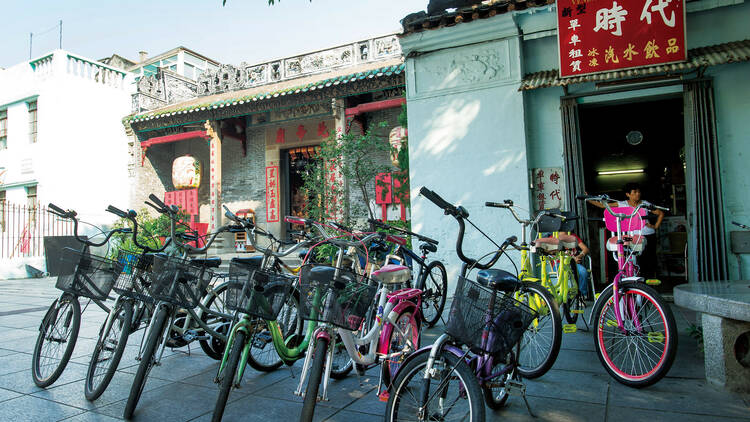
[31, 202]
[189, 71]
[32, 122]
[3, 130]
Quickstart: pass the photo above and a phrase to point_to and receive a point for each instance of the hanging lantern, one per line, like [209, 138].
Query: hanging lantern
[396, 137]
[186, 172]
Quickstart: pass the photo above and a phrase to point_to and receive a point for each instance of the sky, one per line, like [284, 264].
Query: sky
[243, 30]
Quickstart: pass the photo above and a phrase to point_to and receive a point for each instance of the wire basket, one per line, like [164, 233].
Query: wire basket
[178, 281]
[83, 274]
[471, 311]
[135, 277]
[254, 292]
[343, 302]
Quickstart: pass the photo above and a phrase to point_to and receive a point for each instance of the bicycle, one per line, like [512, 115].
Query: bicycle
[443, 379]
[636, 334]
[431, 279]
[81, 275]
[536, 357]
[176, 283]
[339, 300]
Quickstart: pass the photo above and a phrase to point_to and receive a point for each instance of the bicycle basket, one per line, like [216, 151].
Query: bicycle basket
[255, 292]
[177, 281]
[343, 302]
[83, 274]
[470, 312]
[135, 276]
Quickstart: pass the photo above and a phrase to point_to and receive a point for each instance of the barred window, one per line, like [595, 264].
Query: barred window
[32, 122]
[3, 129]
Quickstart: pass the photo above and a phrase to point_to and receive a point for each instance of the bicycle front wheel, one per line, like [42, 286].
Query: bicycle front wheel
[213, 347]
[640, 352]
[226, 377]
[540, 343]
[313, 383]
[57, 338]
[148, 360]
[434, 292]
[450, 393]
[108, 351]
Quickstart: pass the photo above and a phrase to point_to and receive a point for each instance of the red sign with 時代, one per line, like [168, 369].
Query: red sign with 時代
[602, 35]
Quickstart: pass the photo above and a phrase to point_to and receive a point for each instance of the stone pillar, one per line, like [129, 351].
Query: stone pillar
[339, 117]
[720, 336]
[214, 189]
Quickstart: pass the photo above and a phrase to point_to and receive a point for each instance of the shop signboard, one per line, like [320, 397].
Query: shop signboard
[549, 188]
[603, 35]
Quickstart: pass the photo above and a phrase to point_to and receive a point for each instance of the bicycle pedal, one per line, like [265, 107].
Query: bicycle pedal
[653, 282]
[577, 311]
[655, 337]
[570, 328]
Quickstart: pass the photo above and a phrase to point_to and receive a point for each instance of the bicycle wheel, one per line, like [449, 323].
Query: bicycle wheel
[263, 355]
[213, 347]
[342, 364]
[313, 383]
[495, 393]
[226, 378]
[57, 338]
[540, 343]
[434, 292]
[451, 393]
[108, 351]
[148, 359]
[404, 339]
[643, 353]
[574, 303]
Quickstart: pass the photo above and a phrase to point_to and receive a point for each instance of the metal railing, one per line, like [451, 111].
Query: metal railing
[23, 228]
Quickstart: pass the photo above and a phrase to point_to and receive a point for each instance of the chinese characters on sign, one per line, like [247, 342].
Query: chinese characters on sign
[272, 194]
[603, 35]
[549, 188]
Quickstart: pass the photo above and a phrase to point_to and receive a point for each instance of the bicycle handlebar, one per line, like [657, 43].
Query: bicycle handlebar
[131, 215]
[384, 225]
[605, 200]
[54, 209]
[740, 225]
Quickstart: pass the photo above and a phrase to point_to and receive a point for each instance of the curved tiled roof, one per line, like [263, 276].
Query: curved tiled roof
[233, 98]
[736, 51]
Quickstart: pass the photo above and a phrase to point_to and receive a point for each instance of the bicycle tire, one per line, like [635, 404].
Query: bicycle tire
[147, 361]
[93, 385]
[227, 376]
[214, 347]
[413, 373]
[496, 398]
[263, 355]
[71, 319]
[313, 383]
[576, 303]
[389, 369]
[647, 296]
[434, 293]
[340, 354]
[536, 358]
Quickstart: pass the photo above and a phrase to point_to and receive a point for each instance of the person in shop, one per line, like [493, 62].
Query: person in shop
[581, 270]
[647, 260]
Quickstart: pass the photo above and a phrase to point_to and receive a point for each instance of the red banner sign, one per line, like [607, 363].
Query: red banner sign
[272, 194]
[602, 35]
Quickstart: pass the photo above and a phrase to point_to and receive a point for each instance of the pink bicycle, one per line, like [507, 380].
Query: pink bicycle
[636, 335]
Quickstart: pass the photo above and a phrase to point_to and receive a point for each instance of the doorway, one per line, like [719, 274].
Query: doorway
[295, 163]
[639, 141]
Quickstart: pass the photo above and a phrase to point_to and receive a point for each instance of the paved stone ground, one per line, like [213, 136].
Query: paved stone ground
[576, 389]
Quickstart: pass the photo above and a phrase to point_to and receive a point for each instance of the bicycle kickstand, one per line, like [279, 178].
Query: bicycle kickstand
[520, 386]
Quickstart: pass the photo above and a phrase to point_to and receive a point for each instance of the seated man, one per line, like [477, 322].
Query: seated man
[583, 273]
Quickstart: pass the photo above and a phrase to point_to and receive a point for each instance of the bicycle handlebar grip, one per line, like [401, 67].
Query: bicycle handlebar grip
[496, 205]
[511, 240]
[57, 209]
[435, 198]
[158, 202]
[584, 196]
[116, 211]
[161, 211]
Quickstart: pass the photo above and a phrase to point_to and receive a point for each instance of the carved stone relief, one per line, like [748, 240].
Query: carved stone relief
[387, 46]
[301, 111]
[179, 90]
[256, 75]
[151, 85]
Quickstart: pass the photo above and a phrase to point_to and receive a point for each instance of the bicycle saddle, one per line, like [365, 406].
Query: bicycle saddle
[635, 242]
[324, 274]
[213, 262]
[252, 261]
[567, 241]
[498, 280]
[391, 274]
[548, 244]
[429, 247]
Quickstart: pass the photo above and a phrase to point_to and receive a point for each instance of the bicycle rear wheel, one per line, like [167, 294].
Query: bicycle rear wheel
[57, 338]
[148, 360]
[108, 351]
[450, 393]
[213, 347]
[400, 343]
[540, 343]
[226, 377]
[434, 292]
[642, 352]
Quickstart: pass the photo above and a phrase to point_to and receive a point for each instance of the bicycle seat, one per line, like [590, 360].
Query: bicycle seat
[251, 261]
[429, 247]
[323, 274]
[568, 241]
[213, 262]
[548, 244]
[634, 242]
[498, 280]
[391, 274]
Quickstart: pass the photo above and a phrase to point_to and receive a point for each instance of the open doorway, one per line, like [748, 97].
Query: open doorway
[641, 142]
[295, 163]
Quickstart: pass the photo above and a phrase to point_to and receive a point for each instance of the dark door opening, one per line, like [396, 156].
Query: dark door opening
[294, 164]
[641, 142]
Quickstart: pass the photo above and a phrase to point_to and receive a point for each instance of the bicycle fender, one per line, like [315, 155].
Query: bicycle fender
[400, 308]
[52, 308]
[598, 299]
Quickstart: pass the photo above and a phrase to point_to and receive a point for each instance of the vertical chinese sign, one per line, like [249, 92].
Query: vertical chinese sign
[272, 194]
[602, 35]
[214, 148]
[549, 188]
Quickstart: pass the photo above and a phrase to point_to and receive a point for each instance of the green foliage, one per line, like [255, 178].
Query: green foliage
[150, 231]
[696, 332]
